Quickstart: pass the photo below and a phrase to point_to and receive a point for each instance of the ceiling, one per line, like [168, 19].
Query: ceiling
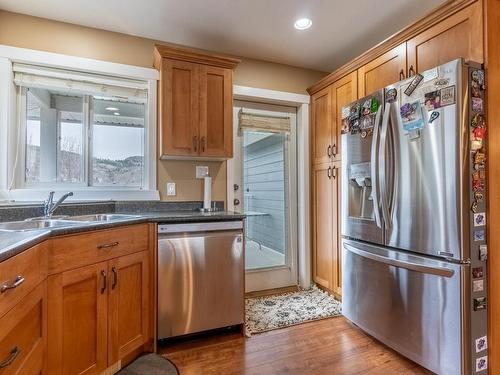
[260, 29]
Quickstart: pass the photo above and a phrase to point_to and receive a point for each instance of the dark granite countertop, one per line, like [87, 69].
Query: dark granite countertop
[13, 243]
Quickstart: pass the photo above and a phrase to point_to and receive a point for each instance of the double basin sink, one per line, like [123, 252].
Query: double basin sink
[61, 222]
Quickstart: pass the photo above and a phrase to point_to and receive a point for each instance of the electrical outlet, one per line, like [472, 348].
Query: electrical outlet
[171, 188]
[201, 171]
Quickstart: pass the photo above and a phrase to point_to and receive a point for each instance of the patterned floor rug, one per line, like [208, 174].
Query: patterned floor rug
[272, 312]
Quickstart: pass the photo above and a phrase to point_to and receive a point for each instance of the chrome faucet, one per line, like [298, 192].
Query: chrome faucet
[49, 206]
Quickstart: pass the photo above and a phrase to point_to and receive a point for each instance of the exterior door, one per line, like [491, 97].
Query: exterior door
[344, 91]
[383, 71]
[460, 35]
[180, 109]
[77, 321]
[323, 131]
[265, 177]
[128, 304]
[324, 224]
[216, 130]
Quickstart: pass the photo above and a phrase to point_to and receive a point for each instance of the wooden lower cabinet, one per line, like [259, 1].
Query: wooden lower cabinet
[98, 314]
[23, 335]
[326, 258]
[77, 321]
[128, 304]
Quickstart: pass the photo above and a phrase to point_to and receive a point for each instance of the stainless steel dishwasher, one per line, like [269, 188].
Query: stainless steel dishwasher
[200, 277]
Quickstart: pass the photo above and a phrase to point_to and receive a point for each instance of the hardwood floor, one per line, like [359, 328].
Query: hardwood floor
[327, 347]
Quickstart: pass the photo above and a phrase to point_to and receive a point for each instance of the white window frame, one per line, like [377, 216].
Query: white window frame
[10, 184]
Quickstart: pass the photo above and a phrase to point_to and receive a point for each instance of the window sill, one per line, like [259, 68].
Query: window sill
[94, 194]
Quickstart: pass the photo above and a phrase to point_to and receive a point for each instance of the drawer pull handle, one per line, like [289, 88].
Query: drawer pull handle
[14, 284]
[104, 281]
[115, 277]
[203, 141]
[11, 358]
[107, 245]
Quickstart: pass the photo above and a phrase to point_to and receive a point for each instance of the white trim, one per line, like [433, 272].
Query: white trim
[269, 96]
[83, 64]
[38, 195]
[9, 121]
[301, 102]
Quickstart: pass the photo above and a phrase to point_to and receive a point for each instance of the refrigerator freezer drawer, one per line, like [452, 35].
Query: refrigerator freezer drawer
[410, 303]
[200, 281]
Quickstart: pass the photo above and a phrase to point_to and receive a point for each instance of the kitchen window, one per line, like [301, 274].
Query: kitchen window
[80, 130]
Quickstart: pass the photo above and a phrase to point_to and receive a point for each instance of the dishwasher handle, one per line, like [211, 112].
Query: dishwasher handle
[200, 227]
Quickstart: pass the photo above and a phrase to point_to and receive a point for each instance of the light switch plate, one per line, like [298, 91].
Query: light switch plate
[201, 171]
[171, 189]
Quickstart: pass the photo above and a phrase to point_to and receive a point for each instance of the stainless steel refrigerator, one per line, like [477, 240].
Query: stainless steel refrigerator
[413, 217]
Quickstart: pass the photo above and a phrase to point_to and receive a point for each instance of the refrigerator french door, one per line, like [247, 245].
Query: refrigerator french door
[413, 217]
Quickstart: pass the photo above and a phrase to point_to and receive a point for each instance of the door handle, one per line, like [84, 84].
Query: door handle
[104, 281]
[384, 203]
[203, 141]
[411, 71]
[195, 143]
[108, 245]
[115, 277]
[402, 74]
[422, 268]
[14, 352]
[18, 280]
[374, 170]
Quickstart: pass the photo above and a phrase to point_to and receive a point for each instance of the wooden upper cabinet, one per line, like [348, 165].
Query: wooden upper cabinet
[129, 310]
[384, 70]
[459, 35]
[323, 132]
[179, 107]
[216, 109]
[344, 91]
[195, 104]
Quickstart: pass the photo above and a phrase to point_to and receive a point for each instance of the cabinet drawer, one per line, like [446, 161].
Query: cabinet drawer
[69, 252]
[21, 274]
[22, 335]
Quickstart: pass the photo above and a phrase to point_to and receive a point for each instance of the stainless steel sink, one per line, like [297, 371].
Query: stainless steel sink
[102, 217]
[14, 226]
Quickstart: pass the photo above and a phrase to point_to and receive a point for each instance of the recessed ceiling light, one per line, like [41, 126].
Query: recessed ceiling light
[117, 113]
[303, 24]
[111, 109]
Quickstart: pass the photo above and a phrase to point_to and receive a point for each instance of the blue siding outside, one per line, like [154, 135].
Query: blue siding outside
[264, 190]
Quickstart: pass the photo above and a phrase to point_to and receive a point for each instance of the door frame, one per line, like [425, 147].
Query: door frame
[301, 103]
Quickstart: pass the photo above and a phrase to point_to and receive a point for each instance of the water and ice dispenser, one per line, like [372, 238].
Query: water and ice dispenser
[360, 191]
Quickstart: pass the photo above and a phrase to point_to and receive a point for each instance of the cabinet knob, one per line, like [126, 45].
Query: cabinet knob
[402, 74]
[334, 149]
[236, 202]
[411, 71]
[329, 173]
[329, 151]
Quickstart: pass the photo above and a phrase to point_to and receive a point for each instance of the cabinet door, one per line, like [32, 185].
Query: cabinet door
[323, 133]
[179, 108]
[460, 35]
[129, 307]
[384, 70]
[324, 225]
[216, 110]
[23, 335]
[77, 321]
[344, 91]
[336, 237]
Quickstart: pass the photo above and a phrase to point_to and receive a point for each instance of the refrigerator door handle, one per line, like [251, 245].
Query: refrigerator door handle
[384, 202]
[439, 271]
[374, 170]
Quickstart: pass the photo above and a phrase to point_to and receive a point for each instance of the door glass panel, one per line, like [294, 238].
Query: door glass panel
[265, 182]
